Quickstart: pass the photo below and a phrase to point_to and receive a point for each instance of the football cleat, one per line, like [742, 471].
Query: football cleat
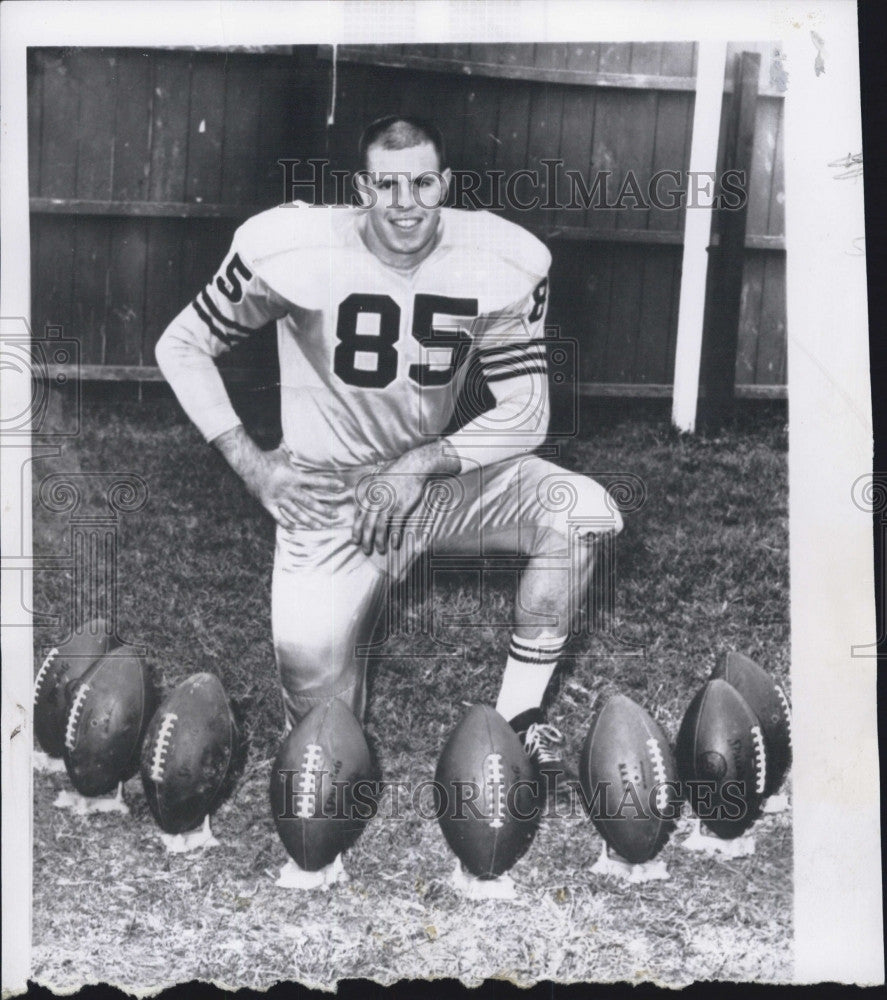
[543, 743]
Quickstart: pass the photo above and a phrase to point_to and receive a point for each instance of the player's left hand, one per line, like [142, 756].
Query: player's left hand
[401, 483]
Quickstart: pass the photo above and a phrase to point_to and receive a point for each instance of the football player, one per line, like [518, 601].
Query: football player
[388, 314]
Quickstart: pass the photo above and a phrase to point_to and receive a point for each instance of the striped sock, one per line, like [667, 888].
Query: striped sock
[528, 670]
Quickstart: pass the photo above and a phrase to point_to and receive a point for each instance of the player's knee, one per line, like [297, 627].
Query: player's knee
[302, 667]
[575, 506]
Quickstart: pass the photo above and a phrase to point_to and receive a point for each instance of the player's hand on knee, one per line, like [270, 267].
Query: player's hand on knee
[400, 488]
[376, 528]
[294, 497]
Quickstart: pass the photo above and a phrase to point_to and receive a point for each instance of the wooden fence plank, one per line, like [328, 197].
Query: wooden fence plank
[674, 311]
[126, 293]
[671, 146]
[634, 145]
[164, 295]
[456, 99]
[133, 126]
[344, 135]
[52, 273]
[577, 129]
[169, 127]
[384, 94]
[605, 158]
[770, 368]
[577, 132]
[479, 142]
[512, 131]
[597, 324]
[205, 134]
[671, 150]
[624, 314]
[243, 88]
[543, 143]
[92, 260]
[760, 183]
[61, 107]
[749, 318]
[776, 214]
[650, 362]
[275, 130]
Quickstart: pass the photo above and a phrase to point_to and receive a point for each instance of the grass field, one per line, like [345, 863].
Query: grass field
[701, 568]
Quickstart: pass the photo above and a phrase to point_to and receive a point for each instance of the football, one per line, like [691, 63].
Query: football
[721, 759]
[490, 794]
[320, 786]
[187, 752]
[110, 707]
[769, 703]
[62, 665]
[629, 778]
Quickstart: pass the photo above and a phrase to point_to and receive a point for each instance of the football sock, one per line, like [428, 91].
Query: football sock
[528, 670]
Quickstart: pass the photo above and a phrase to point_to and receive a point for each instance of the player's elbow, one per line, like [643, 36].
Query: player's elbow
[164, 353]
[177, 350]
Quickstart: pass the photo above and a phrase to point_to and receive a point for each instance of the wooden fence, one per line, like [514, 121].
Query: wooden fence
[143, 163]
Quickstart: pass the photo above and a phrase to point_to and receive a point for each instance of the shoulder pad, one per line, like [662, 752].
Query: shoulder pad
[511, 243]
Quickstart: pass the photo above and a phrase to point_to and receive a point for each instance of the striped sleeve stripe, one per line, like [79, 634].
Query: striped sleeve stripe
[504, 353]
[529, 357]
[515, 365]
[226, 338]
[518, 371]
[214, 309]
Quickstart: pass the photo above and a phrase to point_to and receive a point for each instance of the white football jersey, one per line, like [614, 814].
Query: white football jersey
[371, 357]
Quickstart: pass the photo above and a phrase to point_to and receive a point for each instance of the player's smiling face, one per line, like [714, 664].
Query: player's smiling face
[402, 192]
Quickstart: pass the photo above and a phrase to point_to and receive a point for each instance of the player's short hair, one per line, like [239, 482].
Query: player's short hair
[401, 132]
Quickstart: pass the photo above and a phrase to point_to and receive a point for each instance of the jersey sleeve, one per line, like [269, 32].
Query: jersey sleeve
[510, 343]
[232, 306]
[510, 359]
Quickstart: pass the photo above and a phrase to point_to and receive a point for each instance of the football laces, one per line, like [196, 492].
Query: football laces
[760, 759]
[786, 709]
[44, 670]
[306, 798]
[496, 779]
[74, 716]
[659, 773]
[161, 747]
